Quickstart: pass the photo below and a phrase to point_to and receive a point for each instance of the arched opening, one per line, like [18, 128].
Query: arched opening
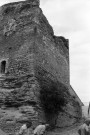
[3, 66]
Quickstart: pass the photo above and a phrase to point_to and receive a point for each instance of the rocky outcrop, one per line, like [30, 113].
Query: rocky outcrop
[34, 70]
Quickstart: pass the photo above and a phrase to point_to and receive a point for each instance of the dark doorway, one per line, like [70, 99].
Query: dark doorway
[3, 66]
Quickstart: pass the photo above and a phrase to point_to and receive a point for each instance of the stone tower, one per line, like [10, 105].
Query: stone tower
[33, 62]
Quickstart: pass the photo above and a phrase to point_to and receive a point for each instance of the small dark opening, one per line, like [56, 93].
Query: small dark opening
[3, 66]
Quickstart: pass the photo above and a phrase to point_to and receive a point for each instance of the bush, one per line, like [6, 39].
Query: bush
[53, 98]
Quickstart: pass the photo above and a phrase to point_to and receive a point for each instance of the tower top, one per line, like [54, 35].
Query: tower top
[16, 6]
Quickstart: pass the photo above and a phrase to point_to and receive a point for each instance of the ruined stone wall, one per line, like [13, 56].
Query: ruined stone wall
[34, 59]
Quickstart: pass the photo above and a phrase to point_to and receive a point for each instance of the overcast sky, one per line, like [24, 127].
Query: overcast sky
[71, 19]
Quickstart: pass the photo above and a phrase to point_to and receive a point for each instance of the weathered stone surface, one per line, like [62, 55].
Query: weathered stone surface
[32, 59]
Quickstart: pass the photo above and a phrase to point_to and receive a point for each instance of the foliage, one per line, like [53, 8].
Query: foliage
[53, 97]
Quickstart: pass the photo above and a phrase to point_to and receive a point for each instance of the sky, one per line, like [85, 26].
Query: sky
[71, 19]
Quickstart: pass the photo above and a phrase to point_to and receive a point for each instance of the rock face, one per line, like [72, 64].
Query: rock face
[33, 62]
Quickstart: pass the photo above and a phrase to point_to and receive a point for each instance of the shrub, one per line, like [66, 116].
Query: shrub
[53, 98]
